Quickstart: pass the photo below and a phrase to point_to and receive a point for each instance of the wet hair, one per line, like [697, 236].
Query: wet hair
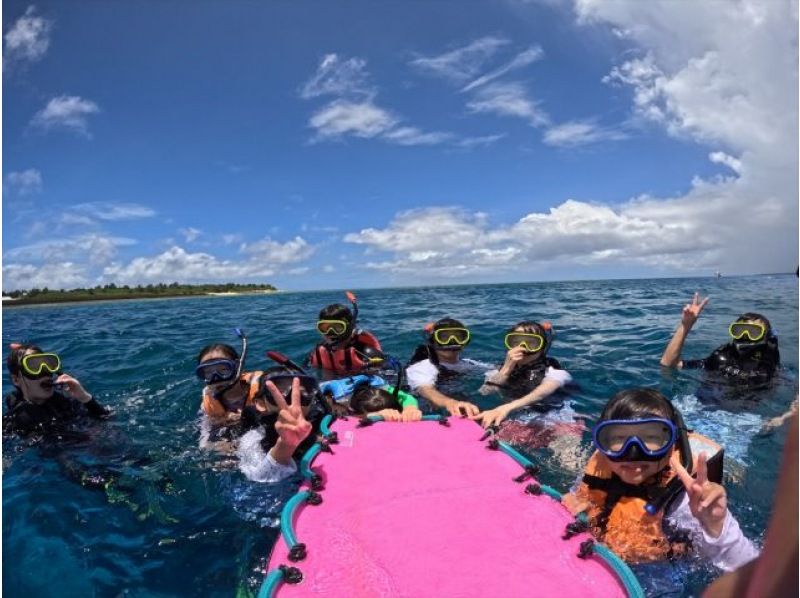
[18, 351]
[633, 403]
[229, 352]
[427, 351]
[446, 323]
[336, 311]
[528, 326]
[752, 316]
[369, 399]
[279, 369]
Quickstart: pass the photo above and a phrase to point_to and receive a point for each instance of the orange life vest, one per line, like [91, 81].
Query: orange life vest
[345, 359]
[628, 529]
[214, 408]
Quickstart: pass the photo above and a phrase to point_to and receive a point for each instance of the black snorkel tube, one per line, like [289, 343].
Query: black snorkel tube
[352, 299]
[675, 485]
[281, 359]
[242, 356]
[395, 364]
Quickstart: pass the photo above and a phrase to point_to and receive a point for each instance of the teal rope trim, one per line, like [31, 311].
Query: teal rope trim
[287, 517]
[305, 462]
[524, 461]
[425, 418]
[432, 418]
[270, 584]
[324, 427]
[514, 454]
[622, 570]
[618, 566]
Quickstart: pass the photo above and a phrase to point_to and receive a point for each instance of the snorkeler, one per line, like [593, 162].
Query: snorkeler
[370, 395]
[43, 395]
[227, 391]
[528, 377]
[344, 348]
[438, 361]
[284, 427]
[639, 495]
[751, 356]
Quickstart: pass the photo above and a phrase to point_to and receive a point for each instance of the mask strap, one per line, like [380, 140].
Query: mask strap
[240, 366]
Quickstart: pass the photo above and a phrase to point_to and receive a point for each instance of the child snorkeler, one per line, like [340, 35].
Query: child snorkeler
[751, 357]
[528, 377]
[370, 395]
[227, 391]
[283, 423]
[44, 398]
[437, 362]
[344, 348]
[638, 494]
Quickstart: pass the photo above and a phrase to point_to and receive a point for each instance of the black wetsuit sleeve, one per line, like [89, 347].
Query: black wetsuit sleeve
[96, 410]
[694, 364]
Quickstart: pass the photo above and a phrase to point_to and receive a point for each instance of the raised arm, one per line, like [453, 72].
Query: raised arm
[691, 311]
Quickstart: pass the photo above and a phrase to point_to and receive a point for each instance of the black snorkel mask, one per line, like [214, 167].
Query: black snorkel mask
[309, 386]
[220, 392]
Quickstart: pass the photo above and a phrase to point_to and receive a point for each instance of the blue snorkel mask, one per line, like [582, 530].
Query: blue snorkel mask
[642, 439]
[219, 370]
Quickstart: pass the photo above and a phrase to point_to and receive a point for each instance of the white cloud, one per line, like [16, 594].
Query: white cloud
[488, 92]
[67, 112]
[62, 275]
[341, 118]
[508, 99]
[231, 239]
[413, 136]
[338, 77]
[522, 59]
[25, 182]
[93, 249]
[275, 253]
[355, 113]
[461, 64]
[470, 142]
[175, 264]
[327, 268]
[190, 234]
[298, 271]
[27, 39]
[667, 235]
[70, 219]
[580, 132]
[725, 75]
[113, 211]
[729, 161]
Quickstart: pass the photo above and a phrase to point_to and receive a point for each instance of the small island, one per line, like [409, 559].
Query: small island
[111, 292]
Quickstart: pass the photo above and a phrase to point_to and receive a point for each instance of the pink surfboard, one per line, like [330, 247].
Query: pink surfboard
[424, 509]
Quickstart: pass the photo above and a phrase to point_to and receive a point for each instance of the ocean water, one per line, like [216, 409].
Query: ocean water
[178, 521]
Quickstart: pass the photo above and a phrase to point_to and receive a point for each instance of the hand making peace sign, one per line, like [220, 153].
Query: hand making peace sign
[692, 311]
[292, 426]
[708, 501]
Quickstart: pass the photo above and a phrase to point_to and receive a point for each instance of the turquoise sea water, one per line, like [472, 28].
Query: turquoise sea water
[182, 522]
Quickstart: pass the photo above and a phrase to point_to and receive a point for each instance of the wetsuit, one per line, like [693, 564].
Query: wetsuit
[751, 365]
[525, 378]
[23, 417]
[254, 446]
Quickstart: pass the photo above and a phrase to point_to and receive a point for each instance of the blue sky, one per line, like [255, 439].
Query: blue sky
[353, 144]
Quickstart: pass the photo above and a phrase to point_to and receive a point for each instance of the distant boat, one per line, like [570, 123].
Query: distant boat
[718, 274]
